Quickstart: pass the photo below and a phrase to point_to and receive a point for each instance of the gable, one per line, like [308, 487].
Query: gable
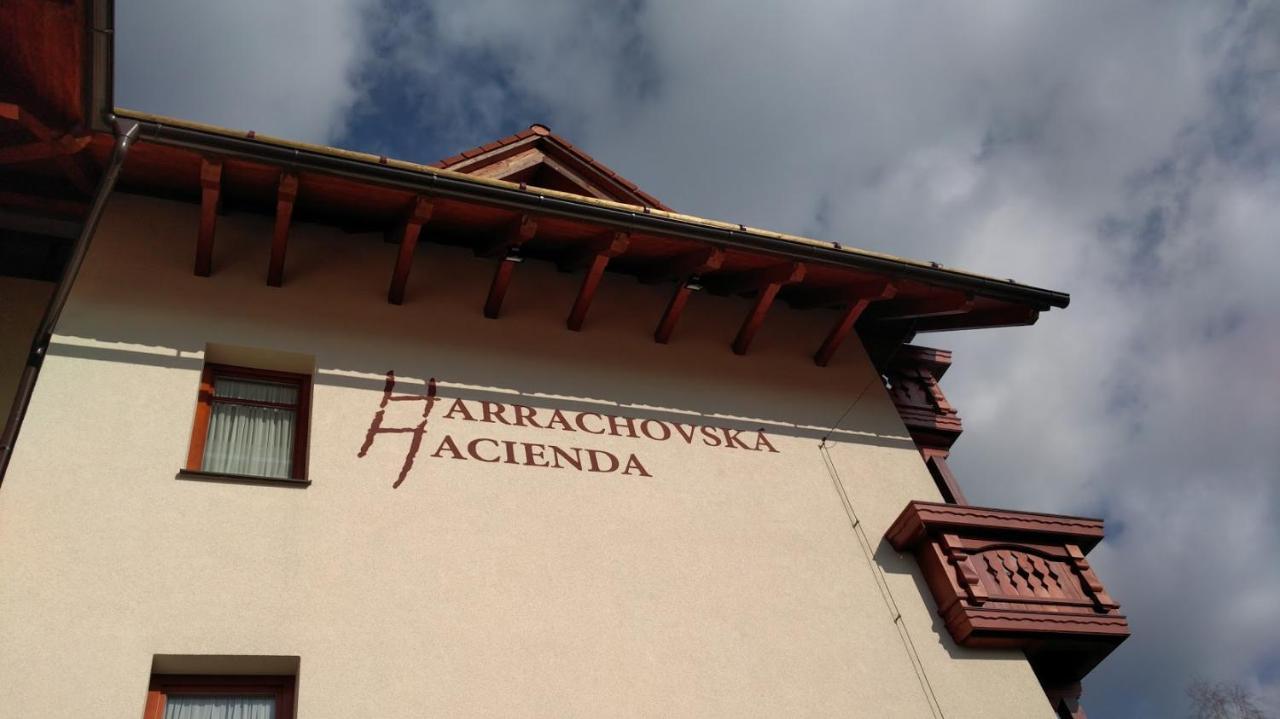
[538, 158]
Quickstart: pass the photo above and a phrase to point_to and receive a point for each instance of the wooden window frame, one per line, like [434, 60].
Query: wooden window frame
[204, 410]
[280, 687]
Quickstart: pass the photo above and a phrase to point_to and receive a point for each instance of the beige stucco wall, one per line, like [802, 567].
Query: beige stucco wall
[22, 304]
[729, 584]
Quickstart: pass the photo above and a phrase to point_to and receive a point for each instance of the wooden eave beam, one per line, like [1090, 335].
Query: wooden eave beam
[586, 252]
[501, 281]
[948, 485]
[757, 279]
[508, 240]
[689, 268]
[410, 229]
[513, 235]
[1013, 316]
[587, 187]
[49, 144]
[858, 299]
[940, 305]
[44, 149]
[517, 158]
[286, 194]
[16, 113]
[52, 205]
[683, 266]
[767, 281]
[602, 250]
[210, 194]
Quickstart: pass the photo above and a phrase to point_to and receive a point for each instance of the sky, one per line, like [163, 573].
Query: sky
[1126, 152]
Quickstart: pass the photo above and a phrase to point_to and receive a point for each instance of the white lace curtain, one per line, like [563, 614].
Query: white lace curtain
[219, 707]
[245, 439]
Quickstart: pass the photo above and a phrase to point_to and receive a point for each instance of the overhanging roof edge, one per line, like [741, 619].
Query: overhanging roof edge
[445, 183]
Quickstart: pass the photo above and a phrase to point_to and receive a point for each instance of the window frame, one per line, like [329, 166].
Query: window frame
[278, 686]
[204, 411]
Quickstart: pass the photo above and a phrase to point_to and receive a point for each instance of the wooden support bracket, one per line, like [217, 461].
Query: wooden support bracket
[689, 268]
[601, 250]
[512, 236]
[286, 193]
[767, 281]
[410, 229]
[501, 281]
[858, 298]
[210, 194]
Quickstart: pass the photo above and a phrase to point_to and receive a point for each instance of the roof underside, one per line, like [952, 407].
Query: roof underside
[531, 195]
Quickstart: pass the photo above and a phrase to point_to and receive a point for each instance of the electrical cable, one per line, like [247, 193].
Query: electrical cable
[882, 584]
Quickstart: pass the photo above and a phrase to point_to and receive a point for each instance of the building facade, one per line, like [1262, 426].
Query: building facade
[303, 432]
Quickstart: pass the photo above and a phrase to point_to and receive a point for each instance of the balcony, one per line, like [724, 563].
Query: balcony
[1015, 580]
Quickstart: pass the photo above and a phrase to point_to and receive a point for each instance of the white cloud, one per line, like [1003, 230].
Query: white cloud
[281, 68]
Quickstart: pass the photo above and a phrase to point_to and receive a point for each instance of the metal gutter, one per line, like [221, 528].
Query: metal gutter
[126, 132]
[451, 185]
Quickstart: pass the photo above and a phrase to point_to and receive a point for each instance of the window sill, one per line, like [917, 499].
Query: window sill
[203, 476]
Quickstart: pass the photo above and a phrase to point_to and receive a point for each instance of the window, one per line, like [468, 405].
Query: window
[251, 423]
[183, 696]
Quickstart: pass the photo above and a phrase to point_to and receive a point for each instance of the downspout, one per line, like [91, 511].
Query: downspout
[125, 132]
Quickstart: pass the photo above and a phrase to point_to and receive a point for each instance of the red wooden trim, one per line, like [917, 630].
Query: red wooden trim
[838, 333]
[942, 304]
[231, 370]
[280, 688]
[613, 246]
[684, 266]
[43, 149]
[947, 483]
[1011, 316]
[200, 428]
[608, 243]
[498, 288]
[285, 196]
[204, 409]
[758, 279]
[155, 705]
[587, 292]
[688, 268]
[210, 192]
[302, 429]
[33, 124]
[512, 236]
[410, 230]
[848, 318]
[671, 316]
[755, 318]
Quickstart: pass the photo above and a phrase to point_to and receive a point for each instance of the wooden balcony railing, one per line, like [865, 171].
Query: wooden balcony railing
[1015, 579]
